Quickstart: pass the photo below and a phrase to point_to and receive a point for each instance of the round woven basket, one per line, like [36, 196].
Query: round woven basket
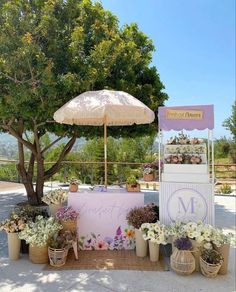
[70, 225]
[148, 176]
[38, 254]
[57, 257]
[209, 270]
[182, 262]
[73, 188]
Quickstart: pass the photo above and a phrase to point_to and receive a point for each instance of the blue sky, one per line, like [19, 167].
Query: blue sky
[195, 49]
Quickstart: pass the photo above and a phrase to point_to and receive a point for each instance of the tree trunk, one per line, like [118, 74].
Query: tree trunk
[40, 179]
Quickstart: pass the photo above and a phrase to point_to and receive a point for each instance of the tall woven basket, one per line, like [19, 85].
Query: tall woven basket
[57, 257]
[38, 254]
[182, 262]
[209, 270]
[70, 225]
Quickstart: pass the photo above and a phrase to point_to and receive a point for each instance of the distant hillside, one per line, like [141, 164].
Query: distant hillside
[8, 145]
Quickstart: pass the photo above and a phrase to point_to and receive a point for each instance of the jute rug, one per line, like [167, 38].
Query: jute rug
[109, 260]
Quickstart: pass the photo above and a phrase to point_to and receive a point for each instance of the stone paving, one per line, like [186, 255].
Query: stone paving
[22, 275]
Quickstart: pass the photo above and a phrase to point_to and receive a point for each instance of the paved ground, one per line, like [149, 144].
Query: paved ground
[22, 275]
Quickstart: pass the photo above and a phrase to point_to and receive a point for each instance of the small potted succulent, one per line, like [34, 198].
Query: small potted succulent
[132, 184]
[182, 261]
[55, 199]
[136, 217]
[74, 185]
[68, 218]
[210, 262]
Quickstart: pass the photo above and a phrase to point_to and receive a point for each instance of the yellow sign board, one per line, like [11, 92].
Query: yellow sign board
[172, 114]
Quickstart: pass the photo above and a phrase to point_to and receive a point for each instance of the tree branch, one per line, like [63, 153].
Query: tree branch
[51, 144]
[51, 171]
[19, 138]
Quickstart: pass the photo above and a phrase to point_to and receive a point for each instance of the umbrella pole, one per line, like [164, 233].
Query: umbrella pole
[105, 151]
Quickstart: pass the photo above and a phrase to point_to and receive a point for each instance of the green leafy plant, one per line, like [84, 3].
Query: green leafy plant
[225, 189]
[137, 216]
[132, 180]
[211, 256]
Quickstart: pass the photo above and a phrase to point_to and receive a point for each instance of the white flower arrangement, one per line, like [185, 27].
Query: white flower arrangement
[57, 196]
[155, 232]
[219, 237]
[39, 232]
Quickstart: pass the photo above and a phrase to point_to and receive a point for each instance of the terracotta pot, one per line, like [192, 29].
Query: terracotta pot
[141, 244]
[73, 188]
[148, 177]
[153, 251]
[224, 251]
[13, 246]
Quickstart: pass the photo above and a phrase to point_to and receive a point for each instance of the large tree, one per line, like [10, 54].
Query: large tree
[51, 51]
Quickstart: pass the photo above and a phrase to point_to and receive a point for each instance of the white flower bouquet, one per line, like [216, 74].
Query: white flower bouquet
[39, 232]
[57, 196]
[155, 232]
[219, 238]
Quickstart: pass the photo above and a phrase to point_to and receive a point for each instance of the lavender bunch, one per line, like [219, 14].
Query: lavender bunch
[183, 243]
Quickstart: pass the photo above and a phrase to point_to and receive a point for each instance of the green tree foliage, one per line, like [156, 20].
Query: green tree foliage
[222, 147]
[53, 50]
[230, 123]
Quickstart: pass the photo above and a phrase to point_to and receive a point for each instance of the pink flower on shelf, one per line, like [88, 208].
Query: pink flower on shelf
[101, 245]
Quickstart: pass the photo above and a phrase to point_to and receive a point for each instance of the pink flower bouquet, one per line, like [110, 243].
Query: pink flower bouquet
[66, 214]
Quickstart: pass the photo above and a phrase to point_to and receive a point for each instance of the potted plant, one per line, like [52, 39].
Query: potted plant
[132, 185]
[210, 262]
[57, 250]
[182, 261]
[29, 213]
[136, 217]
[74, 185]
[154, 233]
[221, 243]
[12, 227]
[55, 199]
[37, 234]
[148, 173]
[68, 218]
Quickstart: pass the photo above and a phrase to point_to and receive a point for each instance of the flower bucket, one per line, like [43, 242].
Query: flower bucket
[24, 247]
[57, 257]
[196, 253]
[141, 244]
[182, 262]
[153, 251]
[53, 209]
[38, 254]
[224, 251]
[209, 270]
[13, 246]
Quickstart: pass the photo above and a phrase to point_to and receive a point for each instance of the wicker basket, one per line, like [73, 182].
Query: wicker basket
[209, 270]
[182, 262]
[70, 225]
[57, 257]
[38, 254]
[133, 188]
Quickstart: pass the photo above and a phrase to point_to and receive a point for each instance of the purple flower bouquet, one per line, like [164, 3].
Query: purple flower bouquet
[66, 214]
